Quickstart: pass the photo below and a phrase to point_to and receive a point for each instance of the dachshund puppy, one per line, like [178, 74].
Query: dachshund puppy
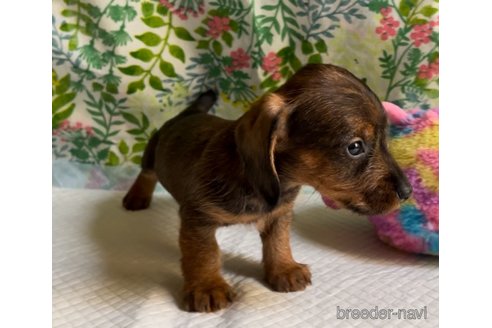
[324, 128]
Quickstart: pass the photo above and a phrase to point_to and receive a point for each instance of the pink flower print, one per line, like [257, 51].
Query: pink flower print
[424, 72]
[435, 23]
[65, 124]
[167, 4]
[386, 11]
[390, 22]
[427, 72]
[181, 13]
[65, 128]
[421, 34]
[183, 9]
[217, 25]
[277, 76]
[434, 67]
[240, 59]
[385, 32]
[387, 28]
[271, 62]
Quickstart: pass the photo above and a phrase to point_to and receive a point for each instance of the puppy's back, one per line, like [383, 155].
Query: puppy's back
[180, 142]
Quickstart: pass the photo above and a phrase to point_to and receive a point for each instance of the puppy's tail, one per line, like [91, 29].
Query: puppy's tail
[202, 104]
[148, 157]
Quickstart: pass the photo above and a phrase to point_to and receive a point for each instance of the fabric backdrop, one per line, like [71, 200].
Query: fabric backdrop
[123, 67]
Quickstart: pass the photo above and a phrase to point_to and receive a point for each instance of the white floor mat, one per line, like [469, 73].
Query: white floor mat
[113, 268]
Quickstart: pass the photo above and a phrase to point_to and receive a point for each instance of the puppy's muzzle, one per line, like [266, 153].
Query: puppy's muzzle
[403, 188]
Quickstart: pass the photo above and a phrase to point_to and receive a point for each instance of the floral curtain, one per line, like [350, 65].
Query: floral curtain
[120, 68]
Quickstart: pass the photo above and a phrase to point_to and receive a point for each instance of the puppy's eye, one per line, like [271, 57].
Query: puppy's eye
[356, 148]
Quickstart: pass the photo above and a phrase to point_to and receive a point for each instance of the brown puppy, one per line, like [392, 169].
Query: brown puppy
[323, 128]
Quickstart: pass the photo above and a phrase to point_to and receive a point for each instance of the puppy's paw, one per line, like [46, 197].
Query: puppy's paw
[134, 202]
[208, 298]
[289, 278]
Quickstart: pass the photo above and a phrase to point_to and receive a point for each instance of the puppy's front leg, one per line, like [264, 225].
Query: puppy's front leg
[205, 289]
[282, 272]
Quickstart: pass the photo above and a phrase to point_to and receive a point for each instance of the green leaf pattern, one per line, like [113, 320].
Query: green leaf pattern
[123, 67]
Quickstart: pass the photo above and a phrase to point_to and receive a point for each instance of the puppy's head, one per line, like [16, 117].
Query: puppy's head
[325, 128]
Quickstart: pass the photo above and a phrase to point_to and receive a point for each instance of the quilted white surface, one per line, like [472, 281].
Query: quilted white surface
[113, 268]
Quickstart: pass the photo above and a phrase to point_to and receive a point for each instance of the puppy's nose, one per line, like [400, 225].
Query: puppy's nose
[404, 190]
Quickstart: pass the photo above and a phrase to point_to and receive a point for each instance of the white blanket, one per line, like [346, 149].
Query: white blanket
[113, 268]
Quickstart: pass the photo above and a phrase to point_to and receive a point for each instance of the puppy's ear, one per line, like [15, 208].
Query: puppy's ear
[256, 136]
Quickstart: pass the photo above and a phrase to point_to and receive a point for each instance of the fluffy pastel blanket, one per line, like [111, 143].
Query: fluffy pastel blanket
[414, 142]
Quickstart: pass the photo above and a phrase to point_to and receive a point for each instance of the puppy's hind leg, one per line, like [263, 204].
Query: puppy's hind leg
[205, 290]
[140, 194]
